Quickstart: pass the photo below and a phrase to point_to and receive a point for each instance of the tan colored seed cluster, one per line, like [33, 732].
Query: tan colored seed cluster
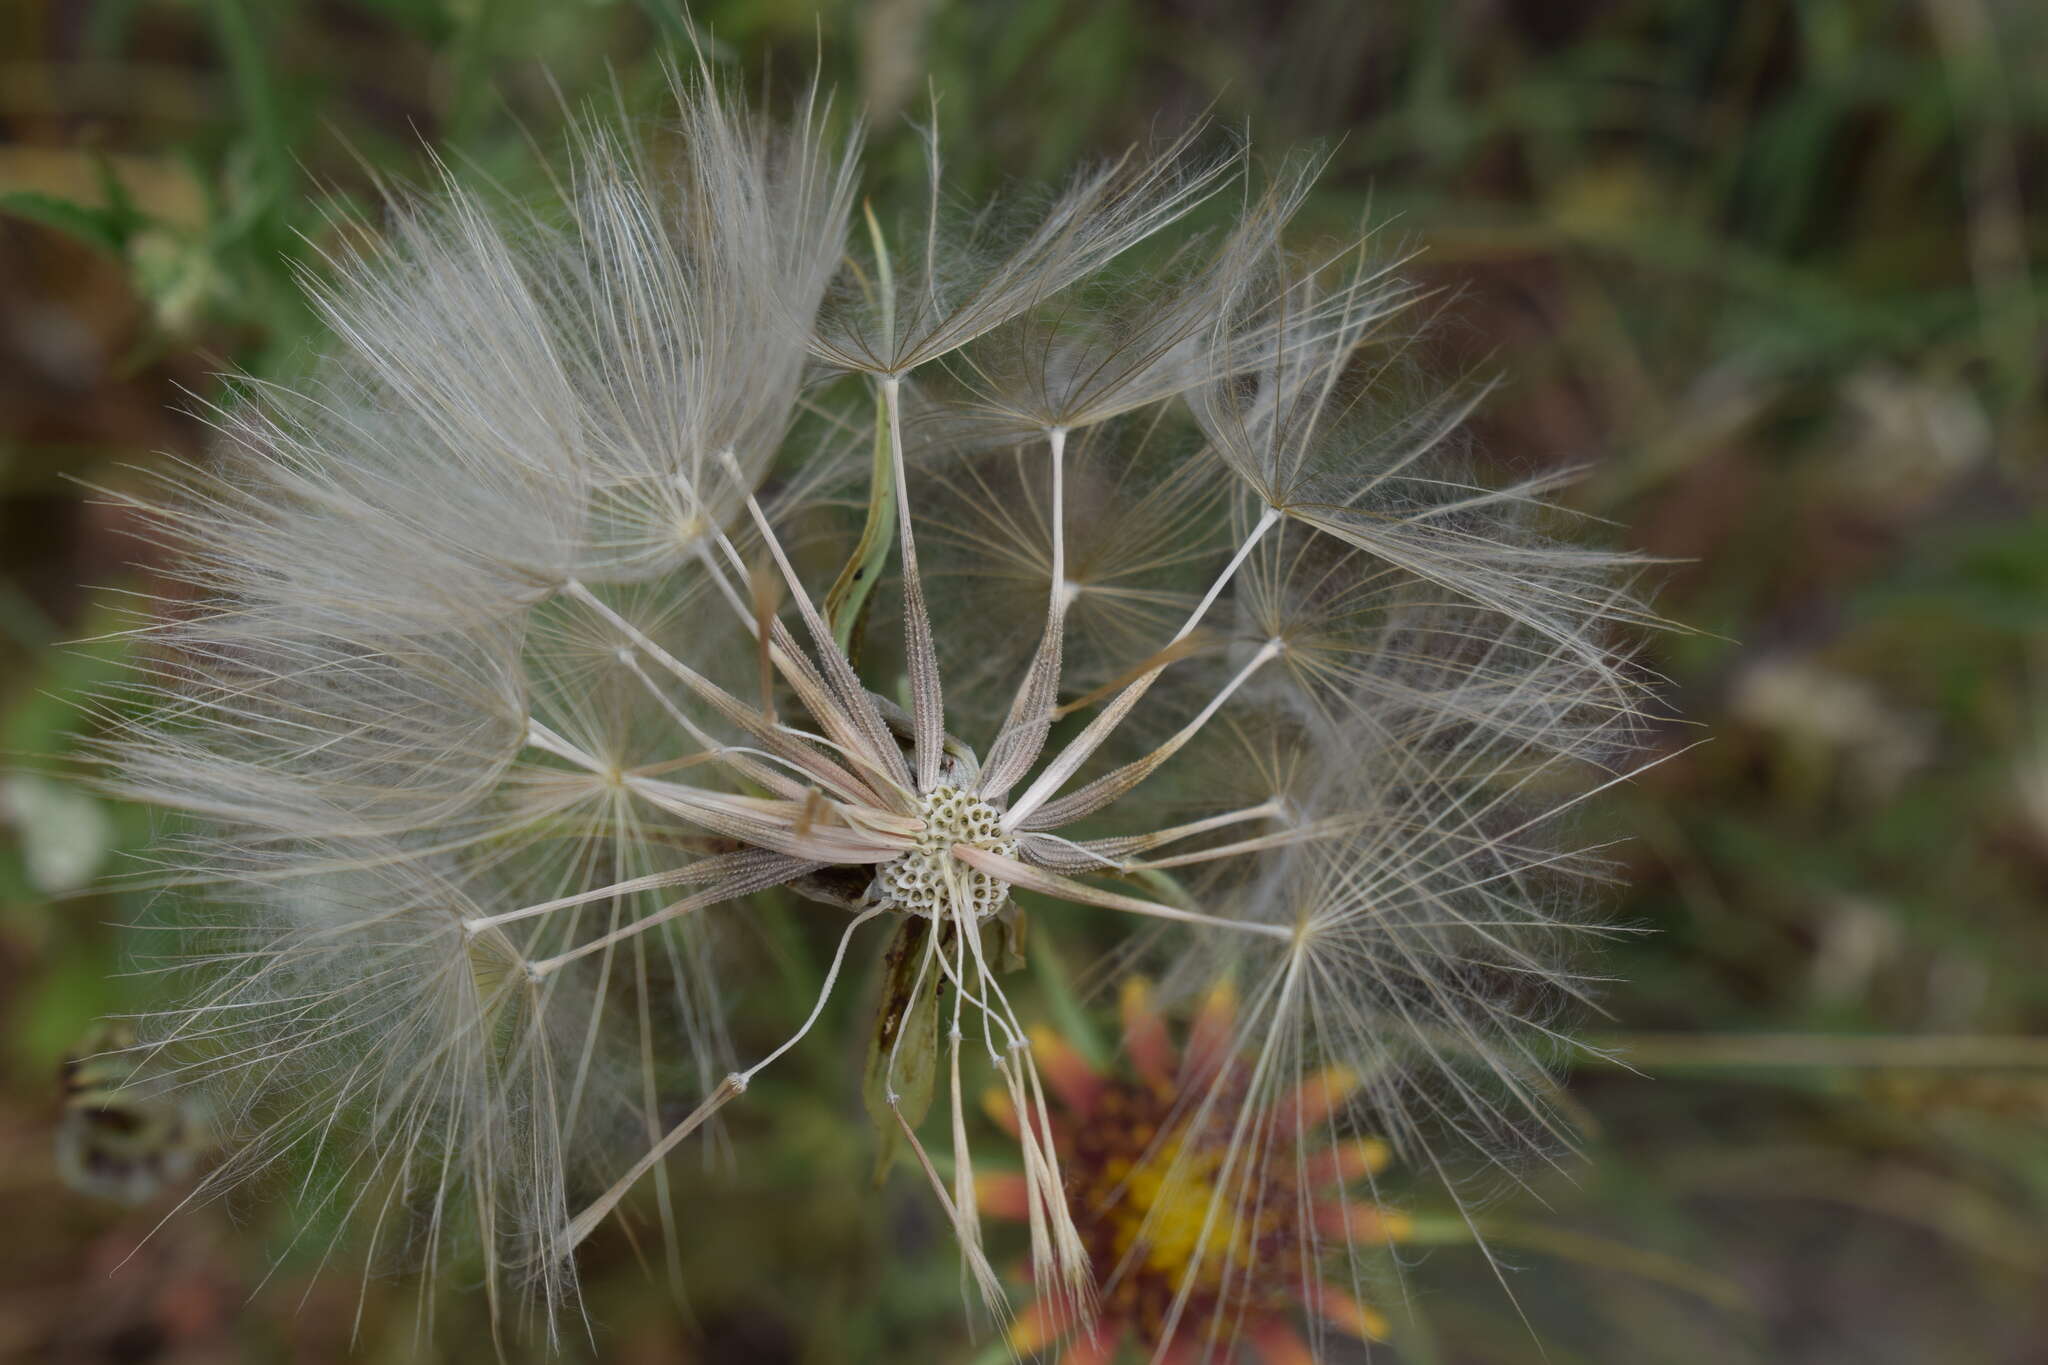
[926, 879]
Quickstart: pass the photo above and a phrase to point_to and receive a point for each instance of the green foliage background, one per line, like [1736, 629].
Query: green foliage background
[1770, 270]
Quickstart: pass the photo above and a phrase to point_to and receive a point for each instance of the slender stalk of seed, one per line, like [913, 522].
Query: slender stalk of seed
[837, 666]
[1033, 710]
[746, 717]
[824, 994]
[1031, 878]
[1090, 739]
[1119, 783]
[1110, 849]
[584, 1223]
[727, 1090]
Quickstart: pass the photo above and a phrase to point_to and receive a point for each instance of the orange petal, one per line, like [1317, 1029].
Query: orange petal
[995, 1102]
[1145, 1037]
[1005, 1194]
[1277, 1343]
[1315, 1098]
[1065, 1070]
[1363, 1223]
[1343, 1162]
[1093, 1348]
[1343, 1311]
[1035, 1328]
[1209, 1036]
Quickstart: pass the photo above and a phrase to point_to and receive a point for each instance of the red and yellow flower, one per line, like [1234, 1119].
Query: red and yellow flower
[1213, 1218]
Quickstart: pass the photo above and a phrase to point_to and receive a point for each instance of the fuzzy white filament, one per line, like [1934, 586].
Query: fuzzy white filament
[487, 716]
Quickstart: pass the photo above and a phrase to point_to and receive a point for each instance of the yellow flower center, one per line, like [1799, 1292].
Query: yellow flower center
[1170, 1204]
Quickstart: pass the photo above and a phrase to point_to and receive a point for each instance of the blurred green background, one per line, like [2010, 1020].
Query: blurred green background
[1769, 269]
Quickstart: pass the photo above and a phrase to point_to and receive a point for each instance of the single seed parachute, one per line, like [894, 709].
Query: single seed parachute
[539, 634]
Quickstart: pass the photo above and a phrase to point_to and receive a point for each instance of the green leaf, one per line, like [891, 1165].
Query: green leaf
[1065, 1006]
[1994, 577]
[106, 228]
[907, 1033]
[846, 604]
[669, 17]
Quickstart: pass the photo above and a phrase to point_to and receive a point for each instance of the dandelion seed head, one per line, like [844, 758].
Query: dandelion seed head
[552, 620]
